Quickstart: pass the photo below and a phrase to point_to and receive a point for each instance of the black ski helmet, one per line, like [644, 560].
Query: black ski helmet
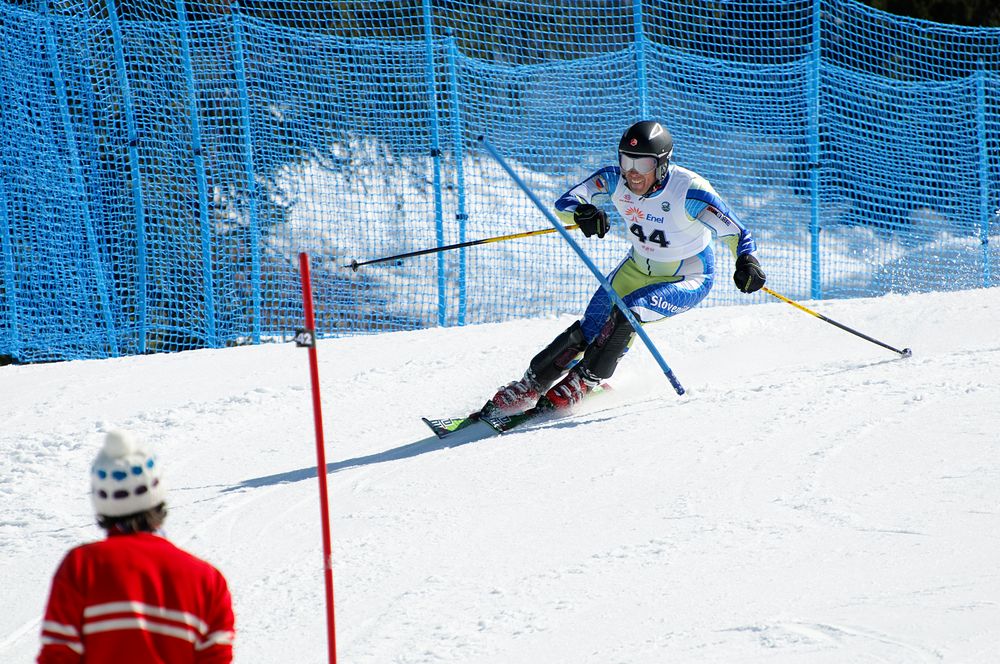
[649, 139]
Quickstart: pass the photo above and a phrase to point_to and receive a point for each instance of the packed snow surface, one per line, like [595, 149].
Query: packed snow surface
[811, 498]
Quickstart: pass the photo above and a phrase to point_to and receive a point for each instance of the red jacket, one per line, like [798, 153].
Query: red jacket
[137, 598]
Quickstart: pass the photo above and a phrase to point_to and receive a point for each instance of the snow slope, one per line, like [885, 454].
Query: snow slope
[813, 498]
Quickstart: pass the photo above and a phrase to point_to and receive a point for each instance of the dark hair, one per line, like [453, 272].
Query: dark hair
[141, 522]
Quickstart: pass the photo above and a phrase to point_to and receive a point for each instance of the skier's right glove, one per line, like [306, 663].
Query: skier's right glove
[591, 219]
[748, 275]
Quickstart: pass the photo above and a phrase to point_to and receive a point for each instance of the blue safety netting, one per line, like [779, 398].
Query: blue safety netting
[163, 163]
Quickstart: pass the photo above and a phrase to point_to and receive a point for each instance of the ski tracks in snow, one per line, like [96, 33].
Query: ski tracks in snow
[818, 643]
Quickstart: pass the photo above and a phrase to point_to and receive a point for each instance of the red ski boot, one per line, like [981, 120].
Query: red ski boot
[568, 391]
[516, 396]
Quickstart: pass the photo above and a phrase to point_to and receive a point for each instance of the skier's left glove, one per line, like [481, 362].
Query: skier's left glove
[591, 219]
[748, 275]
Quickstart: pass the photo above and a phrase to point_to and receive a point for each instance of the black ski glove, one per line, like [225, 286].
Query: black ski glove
[591, 219]
[748, 275]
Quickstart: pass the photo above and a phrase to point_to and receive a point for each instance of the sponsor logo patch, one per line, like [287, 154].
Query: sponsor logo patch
[718, 213]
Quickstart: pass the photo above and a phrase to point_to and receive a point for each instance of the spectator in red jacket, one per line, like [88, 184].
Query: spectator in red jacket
[134, 597]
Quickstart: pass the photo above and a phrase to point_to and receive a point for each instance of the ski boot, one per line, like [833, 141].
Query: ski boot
[570, 390]
[515, 397]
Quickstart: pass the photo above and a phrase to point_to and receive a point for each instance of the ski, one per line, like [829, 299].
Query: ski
[498, 422]
[503, 423]
[445, 427]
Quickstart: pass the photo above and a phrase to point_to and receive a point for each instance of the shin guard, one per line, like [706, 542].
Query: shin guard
[602, 355]
[552, 361]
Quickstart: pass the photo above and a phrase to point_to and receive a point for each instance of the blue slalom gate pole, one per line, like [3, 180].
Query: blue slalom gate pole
[605, 284]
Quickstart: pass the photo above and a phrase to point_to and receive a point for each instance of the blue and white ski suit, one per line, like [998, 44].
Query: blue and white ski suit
[671, 266]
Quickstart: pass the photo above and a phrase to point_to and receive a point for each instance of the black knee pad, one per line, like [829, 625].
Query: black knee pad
[550, 364]
[602, 356]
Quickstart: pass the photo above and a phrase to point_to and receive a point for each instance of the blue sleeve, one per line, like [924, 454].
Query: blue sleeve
[708, 207]
[592, 190]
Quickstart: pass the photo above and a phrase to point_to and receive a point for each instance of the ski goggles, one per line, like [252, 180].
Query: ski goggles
[641, 165]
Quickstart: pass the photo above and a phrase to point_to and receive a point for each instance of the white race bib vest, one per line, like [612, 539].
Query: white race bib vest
[658, 226]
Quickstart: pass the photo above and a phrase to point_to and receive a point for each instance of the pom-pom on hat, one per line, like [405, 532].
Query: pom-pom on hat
[125, 477]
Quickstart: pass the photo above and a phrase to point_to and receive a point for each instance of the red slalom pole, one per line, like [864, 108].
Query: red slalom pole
[307, 338]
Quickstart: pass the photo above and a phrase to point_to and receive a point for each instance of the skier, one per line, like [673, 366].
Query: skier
[134, 596]
[671, 213]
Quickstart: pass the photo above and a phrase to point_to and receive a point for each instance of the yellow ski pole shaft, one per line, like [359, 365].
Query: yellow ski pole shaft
[906, 352]
[354, 265]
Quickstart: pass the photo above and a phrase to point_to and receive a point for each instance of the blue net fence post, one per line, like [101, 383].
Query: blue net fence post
[201, 177]
[458, 157]
[79, 183]
[136, 178]
[984, 172]
[250, 182]
[432, 96]
[640, 59]
[10, 326]
[208, 288]
[813, 105]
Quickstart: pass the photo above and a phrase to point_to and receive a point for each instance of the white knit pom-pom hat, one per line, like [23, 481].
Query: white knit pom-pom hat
[125, 477]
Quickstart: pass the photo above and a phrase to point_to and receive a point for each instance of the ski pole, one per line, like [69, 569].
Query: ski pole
[906, 352]
[354, 265]
[605, 284]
